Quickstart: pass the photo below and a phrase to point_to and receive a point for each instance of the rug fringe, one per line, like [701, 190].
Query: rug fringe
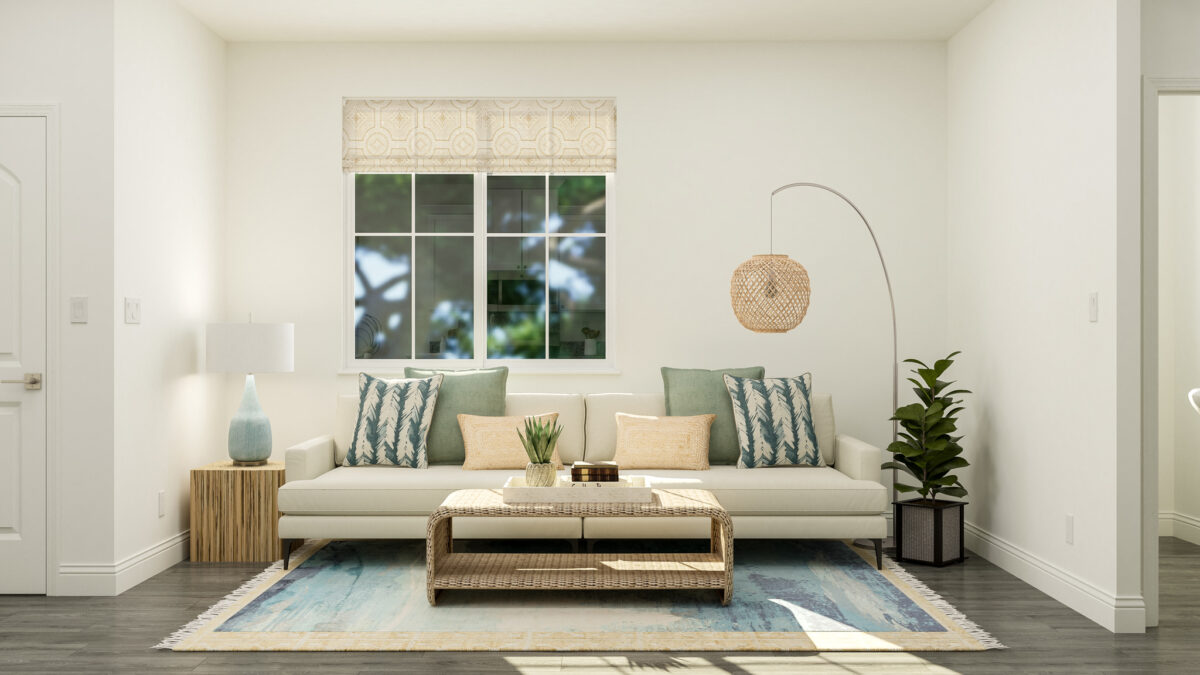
[175, 639]
[985, 638]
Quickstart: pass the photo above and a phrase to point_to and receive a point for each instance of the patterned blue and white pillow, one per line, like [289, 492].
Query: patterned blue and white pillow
[393, 421]
[774, 421]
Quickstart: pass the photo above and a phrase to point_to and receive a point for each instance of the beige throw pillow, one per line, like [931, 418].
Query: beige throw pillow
[493, 443]
[645, 442]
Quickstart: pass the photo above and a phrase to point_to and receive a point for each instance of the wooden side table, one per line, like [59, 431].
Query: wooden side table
[235, 512]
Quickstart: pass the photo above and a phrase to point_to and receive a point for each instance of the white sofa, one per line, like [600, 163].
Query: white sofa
[324, 500]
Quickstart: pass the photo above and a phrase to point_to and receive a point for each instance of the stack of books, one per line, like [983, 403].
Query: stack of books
[595, 472]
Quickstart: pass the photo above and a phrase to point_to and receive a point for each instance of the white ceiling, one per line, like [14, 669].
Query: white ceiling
[582, 20]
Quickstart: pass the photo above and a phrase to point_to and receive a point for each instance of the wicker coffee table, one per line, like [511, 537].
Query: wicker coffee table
[445, 569]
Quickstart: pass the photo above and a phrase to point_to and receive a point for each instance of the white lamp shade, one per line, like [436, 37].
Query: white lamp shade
[249, 347]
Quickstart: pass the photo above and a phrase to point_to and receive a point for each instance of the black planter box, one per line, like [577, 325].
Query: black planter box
[929, 532]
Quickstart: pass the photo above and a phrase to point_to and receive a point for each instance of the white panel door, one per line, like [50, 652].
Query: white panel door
[22, 350]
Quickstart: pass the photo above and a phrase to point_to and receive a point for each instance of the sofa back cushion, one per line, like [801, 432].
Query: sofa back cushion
[602, 412]
[570, 417]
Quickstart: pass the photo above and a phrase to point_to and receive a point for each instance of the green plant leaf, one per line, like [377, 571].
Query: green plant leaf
[957, 491]
[913, 412]
[901, 487]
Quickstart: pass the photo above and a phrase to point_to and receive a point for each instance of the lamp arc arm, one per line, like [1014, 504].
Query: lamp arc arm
[886, 278]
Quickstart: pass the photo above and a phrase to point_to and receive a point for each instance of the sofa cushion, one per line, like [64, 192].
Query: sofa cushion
[781, 491]
[774, 421]
[393, 421]
[691, 391]
[653, 442]
[384, 490]
[372, 490]
[463, 392]
[495, 442]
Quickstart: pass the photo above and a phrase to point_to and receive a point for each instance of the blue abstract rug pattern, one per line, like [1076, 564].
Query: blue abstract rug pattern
[792, 595]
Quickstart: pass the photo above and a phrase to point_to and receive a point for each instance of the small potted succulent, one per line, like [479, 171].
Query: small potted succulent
[930, 530]
[540, 437]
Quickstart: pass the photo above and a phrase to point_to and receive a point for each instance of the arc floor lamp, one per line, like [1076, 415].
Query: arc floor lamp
[770, 293]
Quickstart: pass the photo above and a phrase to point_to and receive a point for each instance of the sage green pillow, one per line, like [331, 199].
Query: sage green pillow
[694, 391]
[467, 392]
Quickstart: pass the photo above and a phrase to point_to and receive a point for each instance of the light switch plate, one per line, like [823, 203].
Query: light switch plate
[1094, 307]
[79, 309]
[133, 310]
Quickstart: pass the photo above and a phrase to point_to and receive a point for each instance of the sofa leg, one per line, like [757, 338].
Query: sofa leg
[287, 550]
[878, 553]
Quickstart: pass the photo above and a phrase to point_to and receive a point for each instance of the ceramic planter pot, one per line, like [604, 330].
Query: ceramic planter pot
[540, 475]
[929, 532]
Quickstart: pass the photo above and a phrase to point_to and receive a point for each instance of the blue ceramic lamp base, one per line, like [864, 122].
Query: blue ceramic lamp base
[249, 430]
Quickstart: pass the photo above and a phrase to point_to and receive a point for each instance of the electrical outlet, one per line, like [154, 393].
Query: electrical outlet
[162, 503]
[133, 310]
[79, 309]
[1070, 529]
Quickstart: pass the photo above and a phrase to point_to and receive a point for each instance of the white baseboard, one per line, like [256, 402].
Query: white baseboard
[1119, 614]
[1179, 525]
[118, 577]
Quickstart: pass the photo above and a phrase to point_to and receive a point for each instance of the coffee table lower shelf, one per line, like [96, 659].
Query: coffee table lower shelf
[580, 571]
[446, 569]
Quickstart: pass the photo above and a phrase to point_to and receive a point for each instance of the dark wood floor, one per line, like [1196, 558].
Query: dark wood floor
[95, 635]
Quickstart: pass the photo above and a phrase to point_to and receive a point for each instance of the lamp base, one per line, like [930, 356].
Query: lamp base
[249, 430]
[257, 462]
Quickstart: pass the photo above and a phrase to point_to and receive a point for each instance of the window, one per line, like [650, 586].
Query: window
[432, 253]
[478, 230]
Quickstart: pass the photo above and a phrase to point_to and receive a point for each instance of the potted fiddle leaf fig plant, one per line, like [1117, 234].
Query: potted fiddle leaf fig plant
[540, 437]
[928, 529]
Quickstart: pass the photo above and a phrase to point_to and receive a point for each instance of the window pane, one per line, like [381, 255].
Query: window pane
[516, 295]
[577, 284]
[577, 204]
[445, 276]
[383, 202]
[445, 203]
[382, 284]
[516, 204]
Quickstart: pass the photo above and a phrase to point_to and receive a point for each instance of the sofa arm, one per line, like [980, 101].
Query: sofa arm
[858, 459]
[309, 459]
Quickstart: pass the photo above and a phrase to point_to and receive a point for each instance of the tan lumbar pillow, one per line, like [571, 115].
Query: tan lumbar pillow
[493, 443]
[645, 442]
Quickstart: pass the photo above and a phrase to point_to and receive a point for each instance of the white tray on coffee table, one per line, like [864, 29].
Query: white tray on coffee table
[631, 489]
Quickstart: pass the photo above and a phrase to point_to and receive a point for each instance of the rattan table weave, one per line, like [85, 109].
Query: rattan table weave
[445, 569]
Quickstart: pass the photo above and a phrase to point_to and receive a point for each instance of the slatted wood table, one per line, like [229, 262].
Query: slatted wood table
[235, 512]
[445, 569]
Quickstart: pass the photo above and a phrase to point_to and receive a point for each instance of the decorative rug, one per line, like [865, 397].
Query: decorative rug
[789, 595]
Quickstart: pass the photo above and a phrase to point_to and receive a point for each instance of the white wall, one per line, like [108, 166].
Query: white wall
[169, 253]
[60, 51]
[1179, 314]
[1037, 205]
[705, 133]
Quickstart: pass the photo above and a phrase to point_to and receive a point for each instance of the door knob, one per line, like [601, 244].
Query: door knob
[31, 381]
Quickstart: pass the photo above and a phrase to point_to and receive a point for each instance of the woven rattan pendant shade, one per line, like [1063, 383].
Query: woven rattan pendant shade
[769, 293]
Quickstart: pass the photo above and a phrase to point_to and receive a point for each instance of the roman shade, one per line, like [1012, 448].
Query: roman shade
[511, 135]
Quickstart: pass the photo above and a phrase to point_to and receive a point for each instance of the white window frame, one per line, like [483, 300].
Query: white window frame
[543, 366]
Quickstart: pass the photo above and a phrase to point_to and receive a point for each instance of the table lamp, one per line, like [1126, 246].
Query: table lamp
[249, 348]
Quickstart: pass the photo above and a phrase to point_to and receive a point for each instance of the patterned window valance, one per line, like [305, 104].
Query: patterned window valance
[520, 135]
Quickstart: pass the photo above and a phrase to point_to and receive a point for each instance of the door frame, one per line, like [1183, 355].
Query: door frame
[51, 113]
[1152, 88]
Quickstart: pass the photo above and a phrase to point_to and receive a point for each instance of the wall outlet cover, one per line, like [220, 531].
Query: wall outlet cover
[133, 310]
